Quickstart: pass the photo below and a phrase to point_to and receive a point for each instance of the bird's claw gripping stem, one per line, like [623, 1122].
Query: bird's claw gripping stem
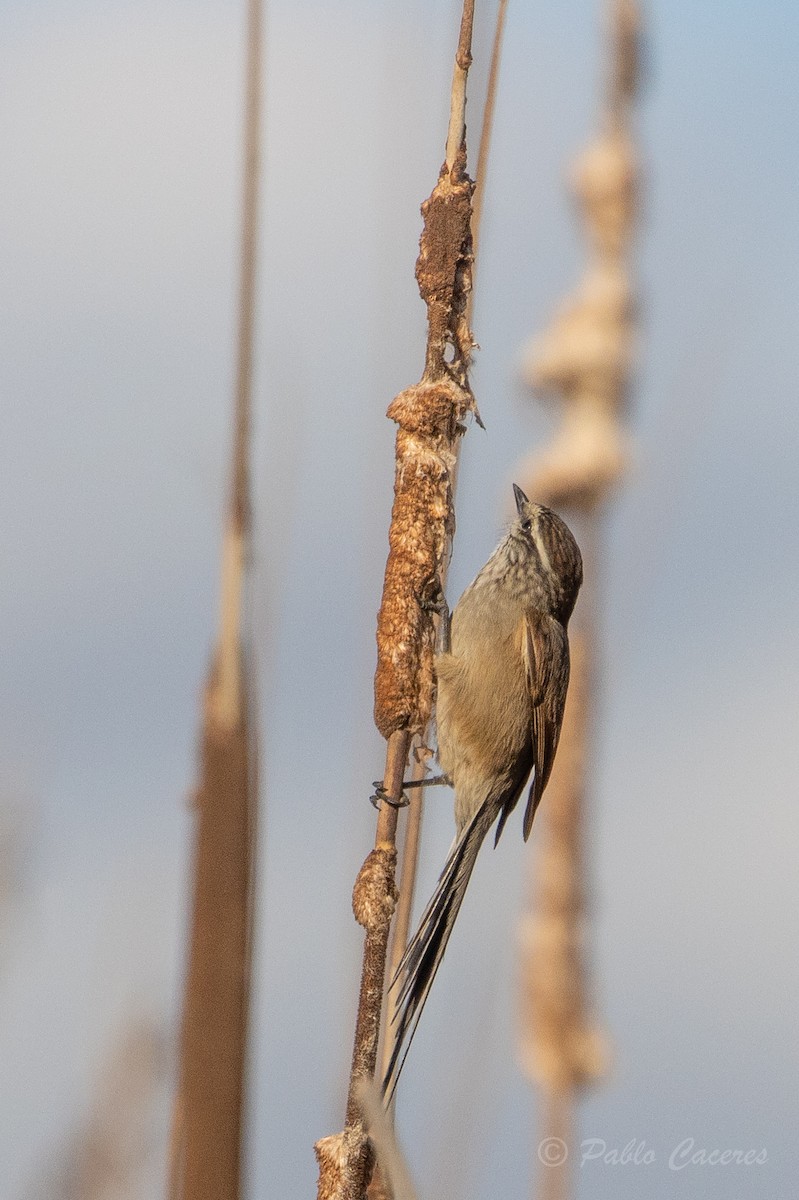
[380, 794]
[436, 602]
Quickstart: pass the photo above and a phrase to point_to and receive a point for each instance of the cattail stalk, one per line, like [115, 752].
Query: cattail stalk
[413, 824]
[430, 418]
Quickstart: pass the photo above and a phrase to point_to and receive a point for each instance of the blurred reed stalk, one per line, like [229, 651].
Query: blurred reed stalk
[15, 836]
[393, 1169]
[105, 1157]
[206, 1152]
[585, 359]
[430, 418]
[420, 754]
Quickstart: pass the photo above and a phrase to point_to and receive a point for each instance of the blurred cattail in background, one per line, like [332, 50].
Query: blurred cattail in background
[114, 1154]
[585, 360]
[16, 823]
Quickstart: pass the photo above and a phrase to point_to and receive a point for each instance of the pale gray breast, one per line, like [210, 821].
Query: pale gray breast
[483, 707]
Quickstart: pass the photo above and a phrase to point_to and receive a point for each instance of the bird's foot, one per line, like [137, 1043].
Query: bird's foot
[433, 600]
[380, 794]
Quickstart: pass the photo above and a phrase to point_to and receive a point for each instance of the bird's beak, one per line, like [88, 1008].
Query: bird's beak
[521, 499]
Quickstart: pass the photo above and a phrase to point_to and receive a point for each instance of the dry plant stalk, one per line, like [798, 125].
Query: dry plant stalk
[390, 1160]
[405, 897]
[214, 1029]
[430, 419]
[206, 1144]
[419, 757]
[585, 358]
[486, 131]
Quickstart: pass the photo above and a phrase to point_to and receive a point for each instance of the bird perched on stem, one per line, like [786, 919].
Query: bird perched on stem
[502, 678]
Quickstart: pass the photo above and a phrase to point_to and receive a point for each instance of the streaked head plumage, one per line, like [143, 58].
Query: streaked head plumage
[554, 548]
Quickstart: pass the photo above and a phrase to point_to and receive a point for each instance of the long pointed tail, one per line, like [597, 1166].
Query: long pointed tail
[424, 953]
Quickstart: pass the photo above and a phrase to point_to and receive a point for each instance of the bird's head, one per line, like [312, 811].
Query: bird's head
[551, 552]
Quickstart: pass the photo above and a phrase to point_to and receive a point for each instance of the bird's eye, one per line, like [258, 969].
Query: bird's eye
[527, 525]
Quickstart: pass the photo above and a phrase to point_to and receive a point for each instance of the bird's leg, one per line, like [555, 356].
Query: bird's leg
[380, 791]
[434, 601]
[433, 781]
[444, 630]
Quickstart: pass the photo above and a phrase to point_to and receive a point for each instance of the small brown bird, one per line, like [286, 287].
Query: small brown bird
[502, 684]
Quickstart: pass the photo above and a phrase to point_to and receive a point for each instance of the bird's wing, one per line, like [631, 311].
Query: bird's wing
[546, 653]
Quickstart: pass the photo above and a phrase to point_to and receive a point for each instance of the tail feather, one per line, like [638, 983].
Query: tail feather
[425, 951]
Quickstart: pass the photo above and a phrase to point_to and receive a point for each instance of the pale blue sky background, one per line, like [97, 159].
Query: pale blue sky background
[119, 137]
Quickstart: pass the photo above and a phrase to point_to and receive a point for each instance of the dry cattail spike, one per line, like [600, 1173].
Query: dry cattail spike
[421, 754]
[605, 180]
[430, 420]
[421, 526]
